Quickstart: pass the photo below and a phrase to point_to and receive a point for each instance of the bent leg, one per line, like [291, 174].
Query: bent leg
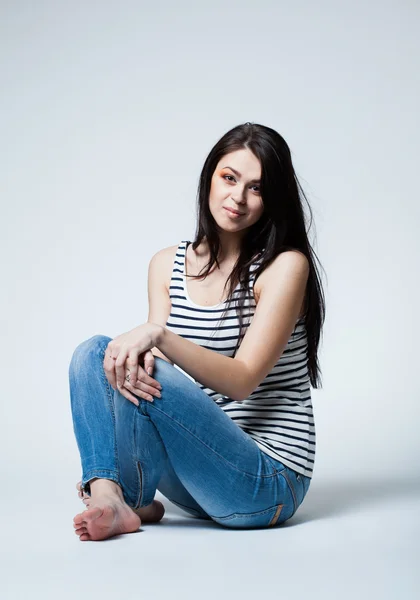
[218, 464]
[93, 411]
[172, 488]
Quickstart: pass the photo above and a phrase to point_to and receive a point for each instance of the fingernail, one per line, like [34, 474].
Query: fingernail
[149, 372]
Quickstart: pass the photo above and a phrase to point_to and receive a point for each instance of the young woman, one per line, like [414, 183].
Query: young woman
[209, 402]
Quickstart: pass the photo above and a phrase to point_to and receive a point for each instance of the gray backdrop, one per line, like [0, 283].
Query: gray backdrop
[108, 110]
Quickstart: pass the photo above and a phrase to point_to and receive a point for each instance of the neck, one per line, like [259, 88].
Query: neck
[230, 247]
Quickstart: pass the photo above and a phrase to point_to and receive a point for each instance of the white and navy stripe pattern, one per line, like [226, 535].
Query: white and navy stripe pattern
[278, 414]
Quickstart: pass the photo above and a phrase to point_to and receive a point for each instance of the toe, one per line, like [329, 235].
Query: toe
[80, 531]
[90, 514]
[78, 519]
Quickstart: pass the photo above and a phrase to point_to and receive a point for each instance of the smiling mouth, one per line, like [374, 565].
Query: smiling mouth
[234, 212]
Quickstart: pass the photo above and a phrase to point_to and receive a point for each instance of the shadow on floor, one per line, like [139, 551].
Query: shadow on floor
[324, 499]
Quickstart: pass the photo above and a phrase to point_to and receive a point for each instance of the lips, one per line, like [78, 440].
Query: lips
[235, 212]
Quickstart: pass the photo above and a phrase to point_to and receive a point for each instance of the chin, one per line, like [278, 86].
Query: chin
[232, 229]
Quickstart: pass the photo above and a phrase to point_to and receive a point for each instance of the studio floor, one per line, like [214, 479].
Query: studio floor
[349, 539]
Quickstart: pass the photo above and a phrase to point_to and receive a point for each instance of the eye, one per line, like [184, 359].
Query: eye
[231, 177]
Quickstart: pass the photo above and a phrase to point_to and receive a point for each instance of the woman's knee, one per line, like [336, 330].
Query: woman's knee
[92, 346]
[164, 371]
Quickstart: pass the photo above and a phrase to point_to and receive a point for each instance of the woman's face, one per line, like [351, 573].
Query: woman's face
[235, 186]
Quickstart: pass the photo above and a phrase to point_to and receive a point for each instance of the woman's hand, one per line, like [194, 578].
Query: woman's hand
[122, 360]
[144, 386]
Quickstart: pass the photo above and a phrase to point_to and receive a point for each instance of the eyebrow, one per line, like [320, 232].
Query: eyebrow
[239, 175]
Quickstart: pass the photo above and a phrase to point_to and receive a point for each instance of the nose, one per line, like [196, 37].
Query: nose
[239, 198]
[238, 194]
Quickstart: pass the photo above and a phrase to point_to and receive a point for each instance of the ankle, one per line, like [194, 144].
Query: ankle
[105, 487]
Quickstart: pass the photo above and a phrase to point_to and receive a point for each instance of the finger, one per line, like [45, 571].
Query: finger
[141, 393]
[110, 375]
[142, 388]
[109, 366]
[124, 392]
[131, 365]
[120, 367]
[149, 362]
[144, 378]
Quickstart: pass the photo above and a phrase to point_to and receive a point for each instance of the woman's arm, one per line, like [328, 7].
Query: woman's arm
[216, 371]
[186, 354]
[283, 285]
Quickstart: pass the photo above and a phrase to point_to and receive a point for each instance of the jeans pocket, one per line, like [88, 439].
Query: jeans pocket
[298, 484]
[261, 518]
[275, 465]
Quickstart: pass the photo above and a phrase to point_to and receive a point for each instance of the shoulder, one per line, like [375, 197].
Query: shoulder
[289, 264]
[293, 260]
[165, 254]
[162, 263]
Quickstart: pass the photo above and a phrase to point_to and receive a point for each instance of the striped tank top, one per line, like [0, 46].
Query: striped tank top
[278, 414]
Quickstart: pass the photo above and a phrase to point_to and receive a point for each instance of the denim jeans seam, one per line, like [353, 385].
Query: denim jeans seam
[141, 473]
[276, 470]
[212, 449]
[110, 394]
[249, 514]
[295, 504]
[141, 486]
[276, 516]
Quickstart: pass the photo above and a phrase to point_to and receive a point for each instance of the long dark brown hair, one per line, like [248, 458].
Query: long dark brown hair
[281, 227]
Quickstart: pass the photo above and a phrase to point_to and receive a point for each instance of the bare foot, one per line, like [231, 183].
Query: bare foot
[152, 513]
[104, 519]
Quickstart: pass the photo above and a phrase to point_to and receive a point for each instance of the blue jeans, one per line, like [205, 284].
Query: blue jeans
[182, 444]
